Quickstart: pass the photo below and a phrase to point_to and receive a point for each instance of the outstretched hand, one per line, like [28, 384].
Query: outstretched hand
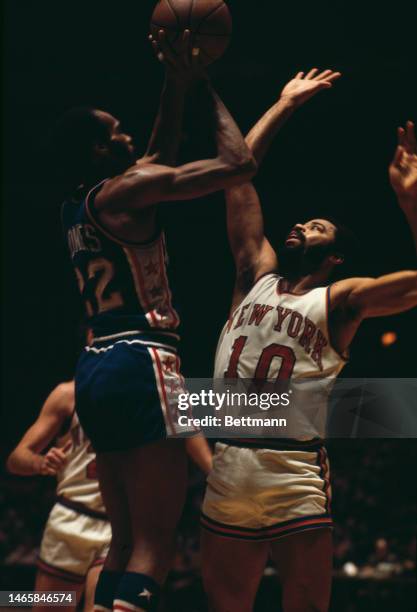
[403, 168]
[185, 65]
[303, 87]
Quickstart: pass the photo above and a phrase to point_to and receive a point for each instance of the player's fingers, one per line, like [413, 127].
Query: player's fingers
[328, 75]
[299, 75]
[410, 137]
[165, 49]
[334, 76]
[312, 73]
[401, 136]
[67, 446]
[196, 57]
[322, 75]
[51, 466]
[185, 48]
[399, 152]
[158, 53]
[49, 470]
[56, 456]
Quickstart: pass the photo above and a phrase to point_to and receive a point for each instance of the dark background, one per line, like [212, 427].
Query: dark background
[332, 157]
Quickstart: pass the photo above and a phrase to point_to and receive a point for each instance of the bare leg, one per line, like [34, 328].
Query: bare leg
[90, 587]
[304, 563]
[155, 478]
[232, 571]
[47, 582]
[110, 468]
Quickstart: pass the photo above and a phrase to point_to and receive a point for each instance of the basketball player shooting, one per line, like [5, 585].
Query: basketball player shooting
[127, 379]
[77, 534]
[272, 496]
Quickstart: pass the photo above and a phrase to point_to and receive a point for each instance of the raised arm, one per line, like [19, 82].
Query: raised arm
[166, 134]
[27, 458]
[251, 250]
[363, 298]
[147, 184]
[355, 299]
[403, 175]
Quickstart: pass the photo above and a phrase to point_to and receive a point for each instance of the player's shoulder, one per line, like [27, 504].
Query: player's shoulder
[115, 189]
[62, 398]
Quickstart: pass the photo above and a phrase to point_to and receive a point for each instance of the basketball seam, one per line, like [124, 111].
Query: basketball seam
[190, 13]
[168, 2]
[174, 29]
[216, 8]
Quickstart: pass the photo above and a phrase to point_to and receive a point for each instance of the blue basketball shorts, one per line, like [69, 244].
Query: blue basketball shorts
[126, 392]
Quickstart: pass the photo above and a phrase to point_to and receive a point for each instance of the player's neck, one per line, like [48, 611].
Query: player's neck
[304, 282]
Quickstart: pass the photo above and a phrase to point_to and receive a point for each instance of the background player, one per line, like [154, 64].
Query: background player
[127, 380]
[77, 534]
[262, 490]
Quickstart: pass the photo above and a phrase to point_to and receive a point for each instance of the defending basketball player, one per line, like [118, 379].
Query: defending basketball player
[272, 496]
[77, 534]
[127, 380]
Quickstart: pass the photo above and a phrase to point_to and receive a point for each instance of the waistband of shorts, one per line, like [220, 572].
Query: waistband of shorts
[275, 444]
[80, 508]
[162, 339]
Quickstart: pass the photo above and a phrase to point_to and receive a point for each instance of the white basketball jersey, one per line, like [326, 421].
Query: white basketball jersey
[77, 481]
[274, 335]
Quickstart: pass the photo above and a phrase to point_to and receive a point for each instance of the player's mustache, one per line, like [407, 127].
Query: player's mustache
[297, 233]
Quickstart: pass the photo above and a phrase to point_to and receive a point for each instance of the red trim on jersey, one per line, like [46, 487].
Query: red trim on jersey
[149, 310]
[162, 383]
[58, 572]
[265, 532]
[189, 412]
[162, 249]
[98, 562]
[280, 291]
[106, 232]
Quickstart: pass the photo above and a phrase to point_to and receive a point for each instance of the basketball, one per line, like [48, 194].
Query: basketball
[209, 22]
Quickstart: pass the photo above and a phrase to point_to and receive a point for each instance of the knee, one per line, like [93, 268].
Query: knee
[223, 595]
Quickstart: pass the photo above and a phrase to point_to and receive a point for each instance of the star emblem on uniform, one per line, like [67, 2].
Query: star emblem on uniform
[168, 365]
[145, 593]
[151, 268]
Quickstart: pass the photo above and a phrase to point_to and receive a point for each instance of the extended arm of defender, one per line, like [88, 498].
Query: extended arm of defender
[377, 297]
[251, 250]
[146, 185]
[297, 91]
[403, 175]
[26, 459]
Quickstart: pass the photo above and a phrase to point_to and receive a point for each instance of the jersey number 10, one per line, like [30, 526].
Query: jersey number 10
[265, 360]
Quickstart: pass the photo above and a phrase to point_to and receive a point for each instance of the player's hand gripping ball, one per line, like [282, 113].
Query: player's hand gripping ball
[209, 22]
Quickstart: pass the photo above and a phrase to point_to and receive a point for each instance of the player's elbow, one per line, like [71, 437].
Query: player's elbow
[11, 465]
[244, 167]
